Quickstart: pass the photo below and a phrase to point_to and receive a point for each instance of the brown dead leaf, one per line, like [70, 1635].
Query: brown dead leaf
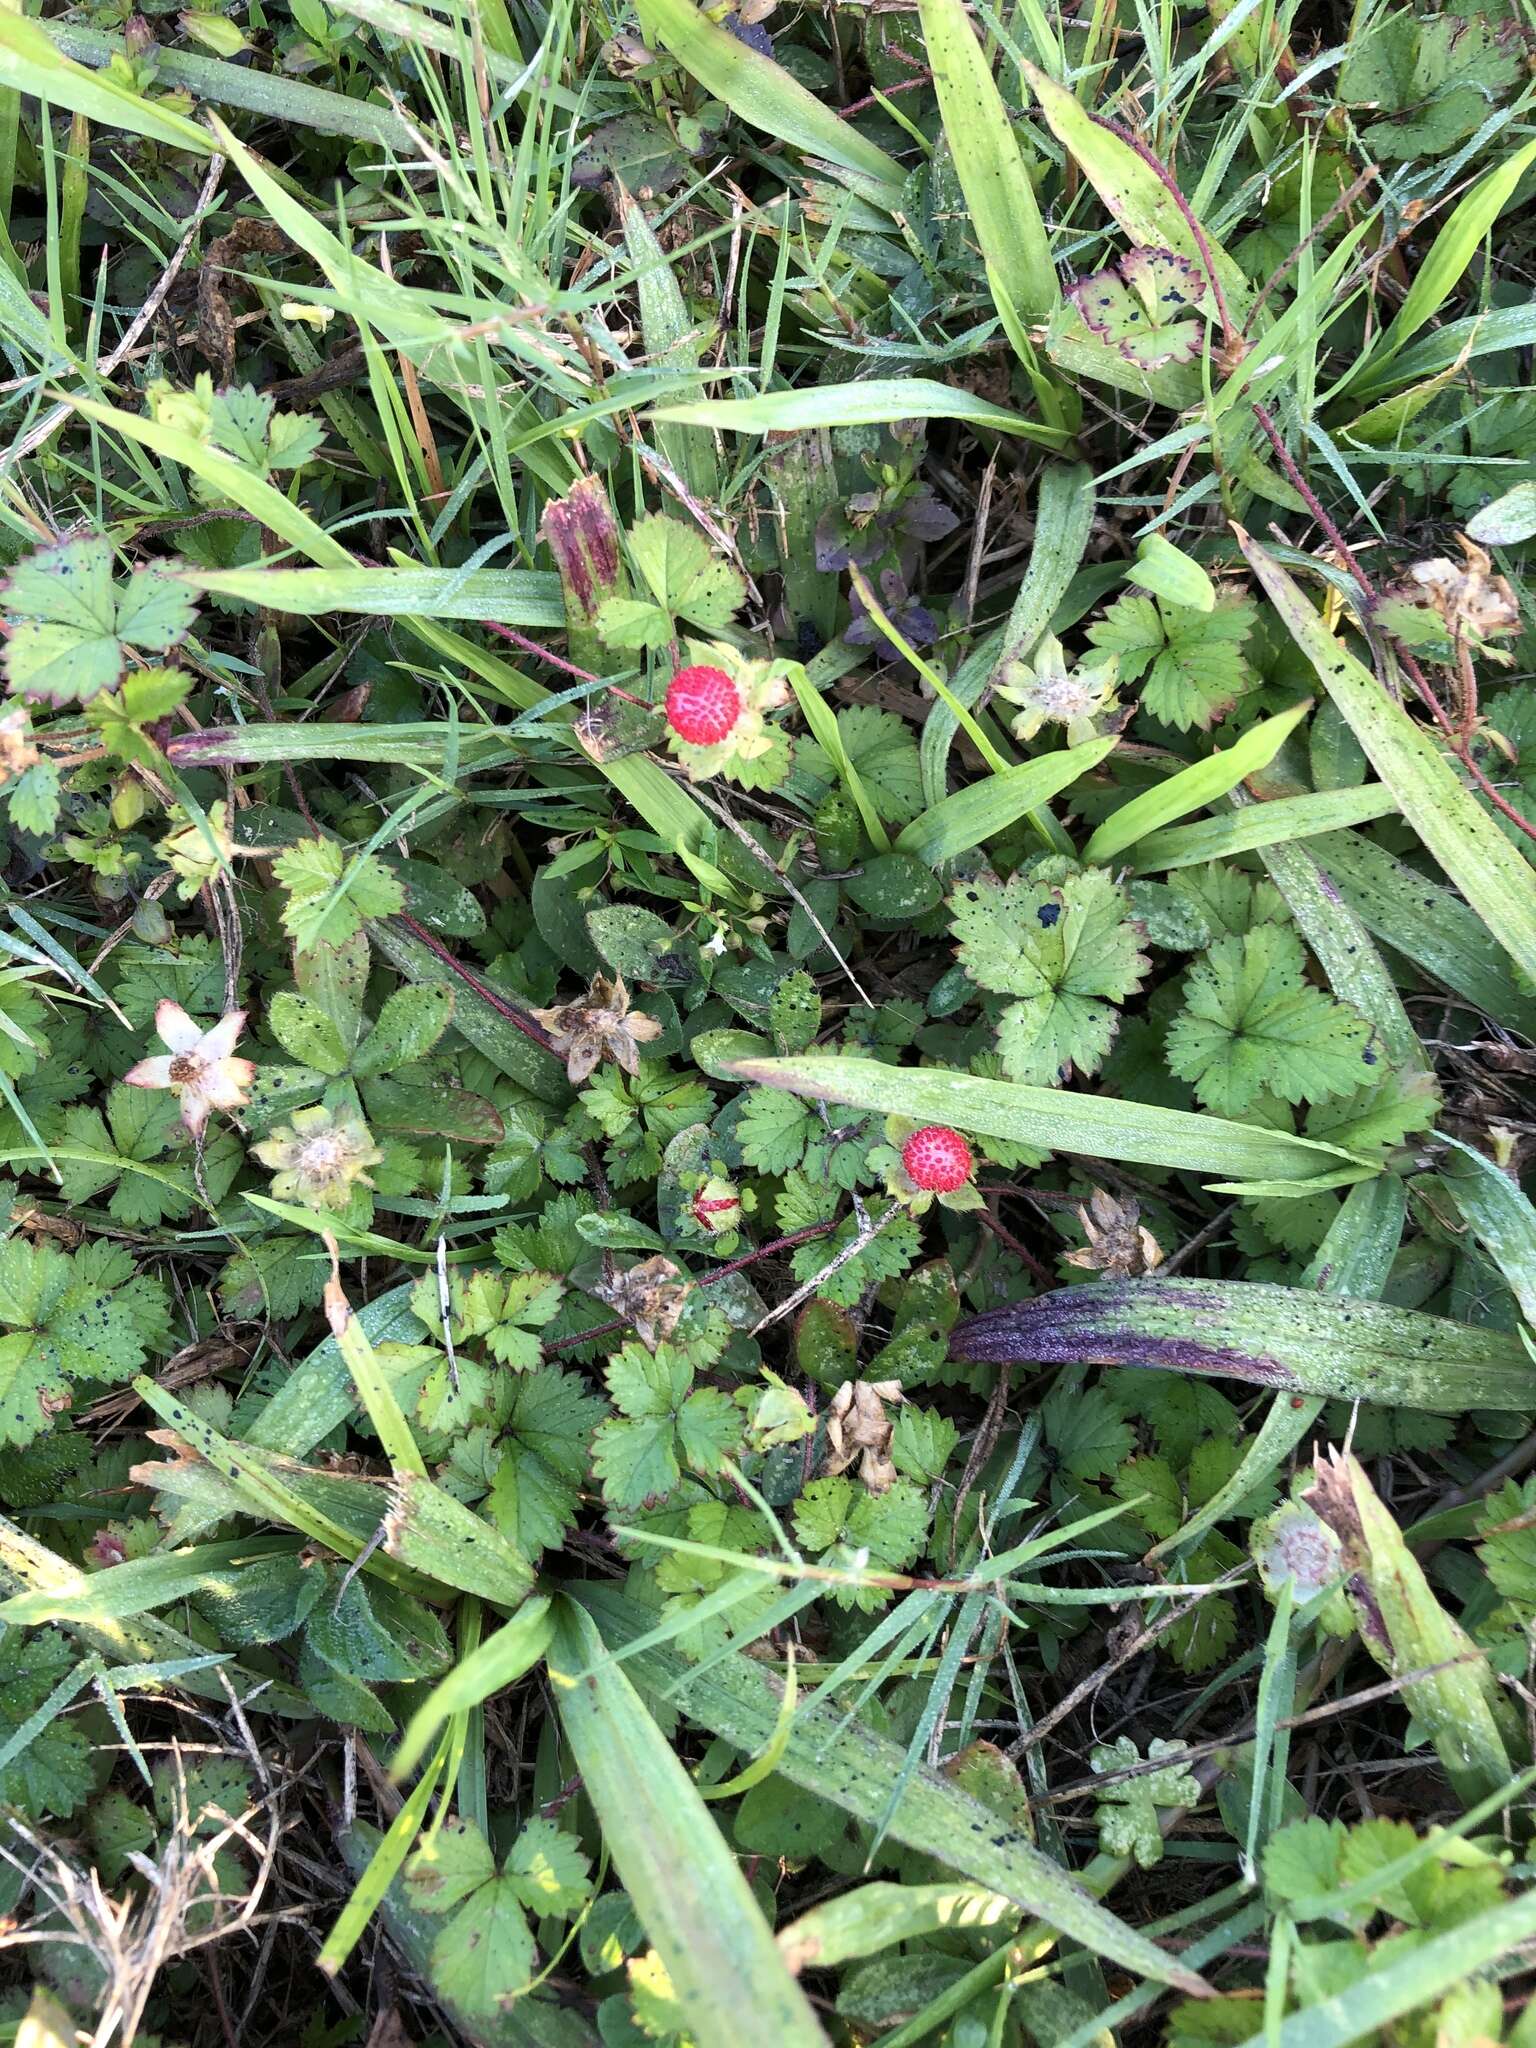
[598, 1027]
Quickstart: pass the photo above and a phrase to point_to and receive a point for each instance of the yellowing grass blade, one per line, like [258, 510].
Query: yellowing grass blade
[1488, 871]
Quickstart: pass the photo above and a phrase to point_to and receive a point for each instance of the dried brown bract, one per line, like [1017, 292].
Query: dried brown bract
[858, 1427]
[1118, 1242]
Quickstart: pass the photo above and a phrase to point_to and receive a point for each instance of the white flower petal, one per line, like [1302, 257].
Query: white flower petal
[153, 1073]
[195, 1105]
[176, 1028]
[225, 1085]
[220, 1042]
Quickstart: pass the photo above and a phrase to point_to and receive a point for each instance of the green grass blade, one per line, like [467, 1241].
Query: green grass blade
[380, 1405]
[1049, 1118]
[268, 93]
[1268, 1336]
[973, 815]
[1468, 845]
[137, 1586]
[1279, 822]
[230, 479]
[765, 95]
[511, 597]
[1200, 783]
[876, 402]
[1063, 521]
[384, 1867]
[685, 1883]
[1458, 242]
[29, 63]
[673, 340]
[1005, 215]
[1501, 1218]
[501, 1660]
[29, 1566]
[1426, 922]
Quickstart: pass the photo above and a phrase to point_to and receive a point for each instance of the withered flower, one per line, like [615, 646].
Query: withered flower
[650, 1296]
[1118, 1242]
[600, 1026]
[201, 1065]
[858, 1427]
[319, 1158]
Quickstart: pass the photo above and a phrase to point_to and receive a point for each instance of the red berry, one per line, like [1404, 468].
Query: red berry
[703, 704]
[937, 1159]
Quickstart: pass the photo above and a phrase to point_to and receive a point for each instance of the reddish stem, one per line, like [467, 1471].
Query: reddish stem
[502, 1005]
[540, 653]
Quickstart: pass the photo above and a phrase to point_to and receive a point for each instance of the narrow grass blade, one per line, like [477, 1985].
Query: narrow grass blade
[138, 1586]
[29, 1566]
[1051, 1119]
[764, 95]
[383, 1410]
[1005, 215]
[1426, 922]
[423, 745]
[875, 402]
[874, 1917]
[1267, 1336]
[501, 1660]
[1457, 243]
[845, 1762]
[1356, 972]
[384, 1867]
[232, 480]
[822, 721]
[1200, 783]
[29, 63]
[673, 339]
[1468, 845]
[685, 1884]
[1409, 1981]
[318, 1396]
[1501, 1216]
[973, 815]
[510, 597]
[1284, 819]
[1063, 520]
[268, 93]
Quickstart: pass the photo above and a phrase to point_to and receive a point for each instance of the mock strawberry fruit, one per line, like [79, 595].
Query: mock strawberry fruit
[703, 705]
[937, 1159]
